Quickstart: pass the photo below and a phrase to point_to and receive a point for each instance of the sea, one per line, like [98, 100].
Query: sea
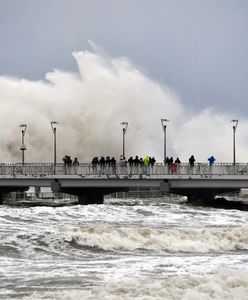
[126, 248]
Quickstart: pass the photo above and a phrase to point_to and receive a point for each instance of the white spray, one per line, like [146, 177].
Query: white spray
[91, 104]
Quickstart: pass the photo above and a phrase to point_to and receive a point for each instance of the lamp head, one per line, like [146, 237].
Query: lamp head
[24, 127]
[236, 124]
[163, 122]
[124, 126]
[53, 123]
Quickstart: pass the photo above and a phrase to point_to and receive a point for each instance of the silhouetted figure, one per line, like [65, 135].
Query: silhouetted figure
[152, 161]
[107, 161]
[167, 161]
[94, 164]
[130, 161]
[113, 165]
[75, 162]
[136, 161]
[171, 161]
[113, 162]
[69, 161]
[141, 162]
[176, 165]
[95, 161]
[192, 161]
[177, 161]
[65, 160]
[102, 161]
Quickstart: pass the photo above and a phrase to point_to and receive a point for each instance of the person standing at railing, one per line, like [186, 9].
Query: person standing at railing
[177, 162]
[211, 161]
[146, 165]
[67, 162]
[130, 163]
[152, 161]
[107, 162]
[113, 165]
[170, 165]
[102, 164]
[136, 161]
[75, 164]
[94, 164]
[191, 163]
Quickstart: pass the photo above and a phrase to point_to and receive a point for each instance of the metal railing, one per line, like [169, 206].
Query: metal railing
[43, 169]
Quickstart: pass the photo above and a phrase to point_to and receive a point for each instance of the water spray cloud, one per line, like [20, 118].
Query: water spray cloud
[89, 106]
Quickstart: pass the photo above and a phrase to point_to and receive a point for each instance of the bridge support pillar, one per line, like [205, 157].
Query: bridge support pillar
[1, 196]
[91, 197]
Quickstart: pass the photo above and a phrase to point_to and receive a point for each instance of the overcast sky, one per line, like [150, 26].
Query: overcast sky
[199, 48]
[91, 64]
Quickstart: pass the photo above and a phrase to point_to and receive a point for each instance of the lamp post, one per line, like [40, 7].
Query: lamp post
[53, 125]
[234, 149]
[23, 146]
[163, 122]
[124, 130]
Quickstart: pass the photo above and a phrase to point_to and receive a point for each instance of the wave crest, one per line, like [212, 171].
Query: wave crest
[176, 239]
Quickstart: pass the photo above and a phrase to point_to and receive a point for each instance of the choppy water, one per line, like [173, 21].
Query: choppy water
[124, 249]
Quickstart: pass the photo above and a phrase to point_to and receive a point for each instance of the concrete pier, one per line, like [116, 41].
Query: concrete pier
[91, 184]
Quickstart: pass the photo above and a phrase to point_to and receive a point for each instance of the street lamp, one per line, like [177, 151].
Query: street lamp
[124, 130]
[23, 146]
[163, 122]
[53, 125]
[234, 150]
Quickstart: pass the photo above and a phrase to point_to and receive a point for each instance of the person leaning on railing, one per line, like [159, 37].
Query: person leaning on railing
[191, 162]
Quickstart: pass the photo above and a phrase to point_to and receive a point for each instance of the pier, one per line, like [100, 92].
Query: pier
[91, 183]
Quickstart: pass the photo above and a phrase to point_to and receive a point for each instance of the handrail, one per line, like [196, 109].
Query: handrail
[118, 169]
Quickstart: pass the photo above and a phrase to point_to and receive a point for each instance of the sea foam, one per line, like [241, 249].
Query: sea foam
[173, 239]
[225, 284]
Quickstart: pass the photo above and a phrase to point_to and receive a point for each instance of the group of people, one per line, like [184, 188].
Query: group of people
[146, 161]
[103, 161]
[68, 161]
[174, 165]
[170, 161]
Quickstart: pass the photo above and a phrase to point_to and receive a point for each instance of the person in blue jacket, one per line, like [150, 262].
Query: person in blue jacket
[211, 160]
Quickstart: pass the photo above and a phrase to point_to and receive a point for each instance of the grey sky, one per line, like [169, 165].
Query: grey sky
[198, 48]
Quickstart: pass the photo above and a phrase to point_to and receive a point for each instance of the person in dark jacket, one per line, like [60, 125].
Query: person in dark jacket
[136, 161]
[192, 161]
[152, 161]
[177, 161]
[130, 161]
[75, 162]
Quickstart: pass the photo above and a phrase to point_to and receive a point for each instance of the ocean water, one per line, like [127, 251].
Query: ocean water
[124, 249]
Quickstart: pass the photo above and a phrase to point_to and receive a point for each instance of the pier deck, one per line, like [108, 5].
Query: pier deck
[91, 183]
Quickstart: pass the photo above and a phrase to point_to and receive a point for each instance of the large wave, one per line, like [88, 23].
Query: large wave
[89, 106]
[176, 239]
